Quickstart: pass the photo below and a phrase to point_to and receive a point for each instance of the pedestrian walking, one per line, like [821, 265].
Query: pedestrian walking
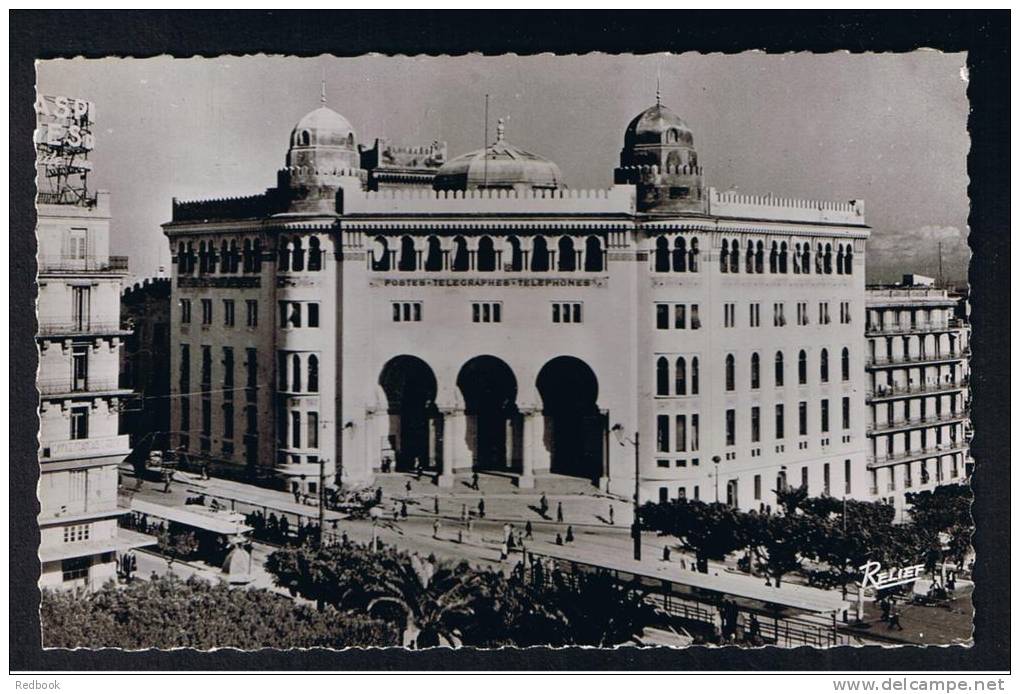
[460, 536]
[570, 534]
[403, 509]
[559, 539]
[886, 608]
[168, 478]
[543, 505]
[407, 486]
[559, 511]
[612, 515]
[396, 514]
[665, 553]
[527, 530]
[894, 621]
[481, 508]
[378, 495]
[435, 529]
[435, 504]
[503, 551]
[474, 481]
[506, 531]
[683, 563]
[470, 525]
[297, 495]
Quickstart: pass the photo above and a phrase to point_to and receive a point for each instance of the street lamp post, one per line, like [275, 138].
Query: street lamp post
[715, 460]
[635, 528]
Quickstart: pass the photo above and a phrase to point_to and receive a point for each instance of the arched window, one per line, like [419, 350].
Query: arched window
[774, 259]
[694, 376]
[845, 364]
[380, 254]
[823, 365]
[314, 254]
[782, 258]
[692, 256]
[298, 259]
[304, 139]
[731, 375]
[257, 255]
[672, 136]
[749, 258]
[755, 371]
[516, 254]
[680, 379]
[662, 376]
[779, 369]
[724, 257]
[567, 260]
[461, 259]
[295, 384]
[819, 260]
[734, 256]
[224, 257]
[802, 367]
[662, 254]
[759, 258]
[408, 261]
[839, 260]
[486, 260]
[805, 260]
[679, 255]
[182, 259]
[283, 255]
[433, 255]
[796, 259]
[539, 255]
[593, 261]
[248, 265]
[828, 259]
[848, 261]
[313, 374]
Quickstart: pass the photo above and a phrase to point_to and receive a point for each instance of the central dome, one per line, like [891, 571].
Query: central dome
[323, 127]
[499, 166]
[657, 125]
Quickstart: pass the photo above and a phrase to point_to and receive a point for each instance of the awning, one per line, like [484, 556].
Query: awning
[121, 542]
[201, 517]
[789, 595]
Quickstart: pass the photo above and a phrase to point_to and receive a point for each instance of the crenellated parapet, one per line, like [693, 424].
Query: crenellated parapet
[616, 200]
[250, 207]
[770, 207]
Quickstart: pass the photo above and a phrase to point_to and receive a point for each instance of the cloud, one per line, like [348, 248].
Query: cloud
[895, 253]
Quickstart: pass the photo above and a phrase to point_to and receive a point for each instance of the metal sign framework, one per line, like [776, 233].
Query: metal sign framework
[63, 139]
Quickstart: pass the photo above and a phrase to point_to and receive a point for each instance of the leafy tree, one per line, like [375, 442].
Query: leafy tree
[711, 531]
[779, 542]
[945, 510]
[170, 613]
[177, 546]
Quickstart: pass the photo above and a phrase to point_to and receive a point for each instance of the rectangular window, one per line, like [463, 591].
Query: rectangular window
[78, 243]
[228, 420]
[76, 569]
[228, 313]
[79, 423]
[804, 477]
[206, 416]
[826, 479]
[802, 313]
[695, 434]
[185, 423]
[228, 371]
[779, 422]
[755, 424]
[486, 312]
[313, 315]
[313, 429]
[778, 319]
[757, 487]
[407, 312]
[566, 312]
[80, 367]
[823, 313]
[206, 311]
[846, 413]
[846, 475]
[802, 418]
[695, 321]
[729, 314]
[731, 427]
[206, 374]
[185, 310]
[295, 429]
[77, 533]
[825, 415]
[680, 317]
[662, 433]
[251, 366]
[251, 313]
[662, 316]
[755, 315]
[81, 307]
[681, 433]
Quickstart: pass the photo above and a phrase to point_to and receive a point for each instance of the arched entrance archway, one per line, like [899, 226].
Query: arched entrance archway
[575, 428]
[489, 389]
[414, 421]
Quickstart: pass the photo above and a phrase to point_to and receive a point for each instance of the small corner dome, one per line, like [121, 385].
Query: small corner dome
[658, 125]
[501, 165]
[323, 127]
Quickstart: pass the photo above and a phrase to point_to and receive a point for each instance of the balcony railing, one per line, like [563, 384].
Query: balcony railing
[925, 388]
[65, 386]
[876, 427]
[89, 263]
[913, 329]
[74, 326]
[953, 355]
[905, 456]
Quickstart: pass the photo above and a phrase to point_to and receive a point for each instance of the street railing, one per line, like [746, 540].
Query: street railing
[87, 263]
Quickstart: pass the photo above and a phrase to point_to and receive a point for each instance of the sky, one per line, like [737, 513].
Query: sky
[890, 129]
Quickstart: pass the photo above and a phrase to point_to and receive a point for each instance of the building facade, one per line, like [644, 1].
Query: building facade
[145, 313]
[80, 445]
[496, 320]
[918, 374]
